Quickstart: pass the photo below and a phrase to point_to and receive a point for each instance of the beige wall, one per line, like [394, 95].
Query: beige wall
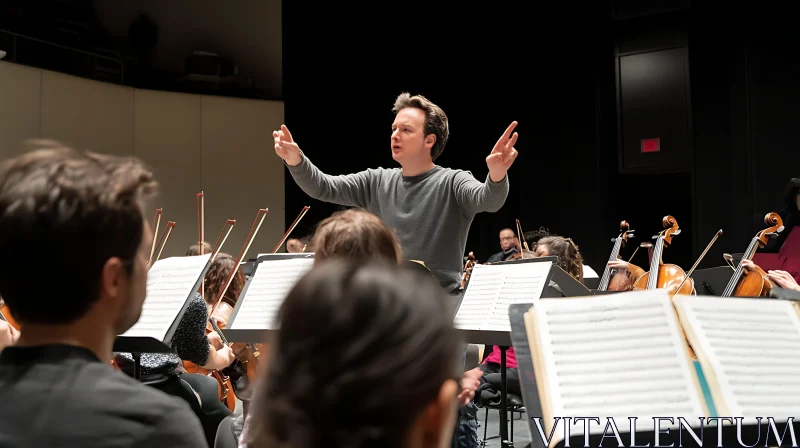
[221, 146]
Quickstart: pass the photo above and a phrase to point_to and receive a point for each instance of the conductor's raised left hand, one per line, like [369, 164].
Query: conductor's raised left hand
[503, 154]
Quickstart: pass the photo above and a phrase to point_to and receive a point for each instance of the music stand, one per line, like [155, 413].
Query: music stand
[257, 335]
[501, 339]
[137, 341]
[533, 404]
[712, 281]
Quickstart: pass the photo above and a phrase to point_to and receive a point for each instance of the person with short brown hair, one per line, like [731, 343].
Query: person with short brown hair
[430, 208]
[356, 235]
[74, 222]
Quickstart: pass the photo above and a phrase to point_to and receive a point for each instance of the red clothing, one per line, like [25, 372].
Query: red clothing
[511, 358]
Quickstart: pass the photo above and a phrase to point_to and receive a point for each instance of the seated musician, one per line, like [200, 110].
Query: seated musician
[352, 331]
[567, 252]
[782, 279]
[295, 245]
[508, 244]
[194, 249]
[355, 235]
[191, 344]
[83, 215]
[215, 280]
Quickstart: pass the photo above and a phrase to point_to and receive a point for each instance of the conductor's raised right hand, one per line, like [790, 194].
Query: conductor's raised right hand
[286, 148]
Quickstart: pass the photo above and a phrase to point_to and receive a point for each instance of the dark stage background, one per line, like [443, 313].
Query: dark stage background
[719, 87]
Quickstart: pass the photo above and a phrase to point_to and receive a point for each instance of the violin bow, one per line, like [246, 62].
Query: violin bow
[201, 230]
[524, 244]
[291, 228]
[163, 240]
[262, 213]
[700, 258]
[156, 223]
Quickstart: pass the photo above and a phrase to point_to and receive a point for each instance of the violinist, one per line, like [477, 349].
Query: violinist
[429, 207]
[295, 245]
[86, 213]
[568, 255]
[194, 249]
[191, 343]
[781, 278]
[508, 244]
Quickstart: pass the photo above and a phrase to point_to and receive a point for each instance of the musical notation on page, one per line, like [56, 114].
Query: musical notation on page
[493, 288]
[170, 282]
[752, 348]
[616, 357]
[268, 288]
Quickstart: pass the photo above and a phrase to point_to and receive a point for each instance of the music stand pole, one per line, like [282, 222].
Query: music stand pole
[504, 442]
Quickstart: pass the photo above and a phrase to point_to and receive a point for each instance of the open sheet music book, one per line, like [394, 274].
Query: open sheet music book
[615, 356]
[258, 305]
[749, 350]
[492, 288]
[170, 284]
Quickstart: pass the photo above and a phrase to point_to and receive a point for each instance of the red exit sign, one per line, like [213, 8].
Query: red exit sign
[651, 144]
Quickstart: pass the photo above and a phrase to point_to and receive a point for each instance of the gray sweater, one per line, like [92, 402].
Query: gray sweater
[430, 213]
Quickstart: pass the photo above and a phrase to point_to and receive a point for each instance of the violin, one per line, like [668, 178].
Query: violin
[754, 283]
[620, 279]
[468, 269]
[522, 246]
[664, 275]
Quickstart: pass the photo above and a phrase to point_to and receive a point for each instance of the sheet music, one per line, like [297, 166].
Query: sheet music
[268, 288]
[170, 282]
[616, 356]
[753, 346]
[493, 288]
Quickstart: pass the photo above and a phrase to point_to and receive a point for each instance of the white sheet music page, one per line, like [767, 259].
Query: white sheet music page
[268, 288]
[753, 346]
[616, 356]
[493, 288]
[169, 284]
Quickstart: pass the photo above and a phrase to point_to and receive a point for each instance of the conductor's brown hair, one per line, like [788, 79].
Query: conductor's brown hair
[355, 234]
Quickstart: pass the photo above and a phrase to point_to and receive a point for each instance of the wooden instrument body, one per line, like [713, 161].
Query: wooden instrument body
[754, 283]
[624, 279]
[9, 318]
[670, 277]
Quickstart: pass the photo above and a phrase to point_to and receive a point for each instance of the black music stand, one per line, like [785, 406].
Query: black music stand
[711, 281]
[502, 340]
[533, 404]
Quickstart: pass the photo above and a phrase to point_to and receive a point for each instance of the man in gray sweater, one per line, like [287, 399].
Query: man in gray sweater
[429, 207]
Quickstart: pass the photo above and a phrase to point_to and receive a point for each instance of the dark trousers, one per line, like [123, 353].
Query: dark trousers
[209, 409]
[491, 381]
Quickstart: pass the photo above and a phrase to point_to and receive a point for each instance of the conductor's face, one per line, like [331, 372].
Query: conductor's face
[409, 142]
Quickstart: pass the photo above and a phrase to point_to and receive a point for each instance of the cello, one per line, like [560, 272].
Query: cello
[664, 275]
[620, 279]
[754, 283]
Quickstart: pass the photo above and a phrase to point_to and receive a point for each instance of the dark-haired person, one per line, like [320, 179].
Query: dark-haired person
[429, 207]
[84, 213]
[352, 332]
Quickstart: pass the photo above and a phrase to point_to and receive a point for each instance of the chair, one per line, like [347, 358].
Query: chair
[514, 405]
